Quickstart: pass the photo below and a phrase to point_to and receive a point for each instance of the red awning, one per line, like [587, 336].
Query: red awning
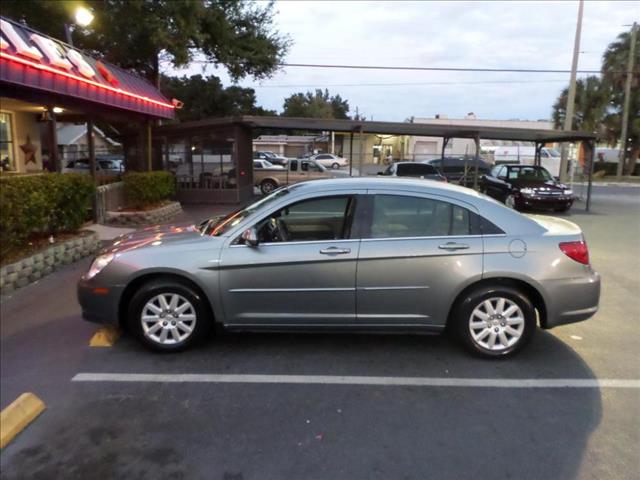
[33, 60]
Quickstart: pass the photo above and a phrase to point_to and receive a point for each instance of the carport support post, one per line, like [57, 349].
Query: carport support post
[361, 156]
[92, 165]
[476, 139]
[92, 149]
[536, 160]
[351, 155]
[445, 142]
[592, 152]
[54, 156]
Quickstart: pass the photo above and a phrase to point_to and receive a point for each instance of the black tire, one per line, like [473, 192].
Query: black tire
[461, 318]
[267, 186]
[335, 166]
[203, 317]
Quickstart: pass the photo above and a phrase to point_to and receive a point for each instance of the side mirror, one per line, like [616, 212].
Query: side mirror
[250, 237]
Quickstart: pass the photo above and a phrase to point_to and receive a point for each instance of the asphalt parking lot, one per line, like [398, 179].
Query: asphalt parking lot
[243, 415]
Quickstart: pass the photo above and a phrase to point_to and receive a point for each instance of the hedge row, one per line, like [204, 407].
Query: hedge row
[144, 189]
[47, 203]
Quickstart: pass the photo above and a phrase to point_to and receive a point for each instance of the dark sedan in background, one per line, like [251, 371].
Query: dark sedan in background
[527, 186]
[413, 170]
[460, 170]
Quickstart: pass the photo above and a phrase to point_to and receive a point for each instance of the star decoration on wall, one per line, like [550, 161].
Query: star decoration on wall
[29, 151]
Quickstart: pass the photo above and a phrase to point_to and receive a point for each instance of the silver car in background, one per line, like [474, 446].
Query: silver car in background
[357, 255]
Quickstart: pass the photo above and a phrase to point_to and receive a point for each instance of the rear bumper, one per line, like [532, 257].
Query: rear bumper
[572, 300]
[99, 307]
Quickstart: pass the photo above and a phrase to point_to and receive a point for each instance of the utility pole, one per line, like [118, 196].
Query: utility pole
[627, 99]
[568, 119]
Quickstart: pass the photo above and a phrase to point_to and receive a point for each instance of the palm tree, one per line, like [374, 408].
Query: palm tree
[614, 66]
[590, 105]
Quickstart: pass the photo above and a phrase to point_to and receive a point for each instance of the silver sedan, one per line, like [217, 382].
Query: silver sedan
[357, 255]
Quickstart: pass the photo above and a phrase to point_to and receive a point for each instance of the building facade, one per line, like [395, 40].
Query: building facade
[44, 81]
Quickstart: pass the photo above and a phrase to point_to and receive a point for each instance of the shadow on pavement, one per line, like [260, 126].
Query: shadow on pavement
[115, 430]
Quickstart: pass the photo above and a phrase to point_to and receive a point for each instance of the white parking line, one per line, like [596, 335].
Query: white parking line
[357, 380]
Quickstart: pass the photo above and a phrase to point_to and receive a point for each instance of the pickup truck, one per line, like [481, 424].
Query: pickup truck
[268, 179]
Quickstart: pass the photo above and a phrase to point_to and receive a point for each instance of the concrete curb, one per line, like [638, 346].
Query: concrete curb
[31, 269]
[105, 337]
[18, 415]
[144, 217]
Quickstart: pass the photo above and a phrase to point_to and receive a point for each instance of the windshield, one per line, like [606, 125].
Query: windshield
[219, 225]
[529, 174]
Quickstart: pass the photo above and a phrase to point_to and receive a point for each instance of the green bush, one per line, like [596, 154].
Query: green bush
[144, 189]
[47, 203]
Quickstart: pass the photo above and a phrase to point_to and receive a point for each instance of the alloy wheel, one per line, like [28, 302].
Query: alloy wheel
[496, 324]
[168, 318]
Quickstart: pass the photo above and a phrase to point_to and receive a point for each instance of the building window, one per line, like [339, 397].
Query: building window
[7, 161]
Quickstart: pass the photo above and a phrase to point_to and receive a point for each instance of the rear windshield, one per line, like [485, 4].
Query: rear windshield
[416, 169]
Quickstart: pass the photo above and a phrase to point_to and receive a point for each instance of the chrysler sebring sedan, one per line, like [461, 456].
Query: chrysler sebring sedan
[357, 255]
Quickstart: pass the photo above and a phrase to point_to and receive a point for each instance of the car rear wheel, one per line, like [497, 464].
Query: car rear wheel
[495, 321]
[167, 315]
[268, 186]
[335, 166]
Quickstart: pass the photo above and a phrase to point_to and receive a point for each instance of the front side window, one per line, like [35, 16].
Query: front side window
[309, 220]
[7, 161]
[396, 216]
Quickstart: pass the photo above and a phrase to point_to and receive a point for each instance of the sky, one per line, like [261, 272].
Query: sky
[437, 34]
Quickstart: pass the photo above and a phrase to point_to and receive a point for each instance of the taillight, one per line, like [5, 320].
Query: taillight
[577, 251]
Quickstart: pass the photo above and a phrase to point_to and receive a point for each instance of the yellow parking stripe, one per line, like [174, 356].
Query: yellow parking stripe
[105, 337]
[18, 415]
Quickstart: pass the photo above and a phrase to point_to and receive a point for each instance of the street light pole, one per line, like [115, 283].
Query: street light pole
[568, 118]
[627, 99]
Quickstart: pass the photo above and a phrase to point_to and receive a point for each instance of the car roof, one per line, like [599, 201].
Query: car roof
[395, 183]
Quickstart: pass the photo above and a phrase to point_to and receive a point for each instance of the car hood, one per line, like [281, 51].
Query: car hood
[538, 185]
[155, 236]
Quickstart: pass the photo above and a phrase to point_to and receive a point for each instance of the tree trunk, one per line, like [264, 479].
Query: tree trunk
[631, 161]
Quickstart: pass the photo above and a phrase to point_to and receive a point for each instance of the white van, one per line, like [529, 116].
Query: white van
[549, 157]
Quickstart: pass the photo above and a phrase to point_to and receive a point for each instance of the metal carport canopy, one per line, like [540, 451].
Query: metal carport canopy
[389, 128]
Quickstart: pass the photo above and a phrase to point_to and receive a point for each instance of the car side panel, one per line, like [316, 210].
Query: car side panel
[570, 290]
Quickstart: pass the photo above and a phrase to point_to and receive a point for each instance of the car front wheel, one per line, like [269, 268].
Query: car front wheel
[495, 321]
[268, 186]
[167, 315]
[335, 166]
[510, 201]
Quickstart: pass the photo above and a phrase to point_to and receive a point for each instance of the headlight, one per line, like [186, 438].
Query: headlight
[527, 191]
[98, 264]
[568, 192]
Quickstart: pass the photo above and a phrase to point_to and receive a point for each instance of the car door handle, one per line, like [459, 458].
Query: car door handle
[453, 246]
[335, 251]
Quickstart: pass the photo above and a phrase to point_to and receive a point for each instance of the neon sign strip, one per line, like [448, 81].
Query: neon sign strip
[46, 68]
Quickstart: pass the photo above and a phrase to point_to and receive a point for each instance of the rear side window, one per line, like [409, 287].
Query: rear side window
[396, 216]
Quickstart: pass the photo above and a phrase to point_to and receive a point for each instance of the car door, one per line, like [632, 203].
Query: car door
[306, 279]
[415, 253]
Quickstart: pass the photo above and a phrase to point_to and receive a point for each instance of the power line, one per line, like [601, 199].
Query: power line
[489, 82]
[434, 69]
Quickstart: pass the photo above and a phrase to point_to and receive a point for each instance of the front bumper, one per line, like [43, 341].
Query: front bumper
[99, 304]
[572, 300]
[544, 202]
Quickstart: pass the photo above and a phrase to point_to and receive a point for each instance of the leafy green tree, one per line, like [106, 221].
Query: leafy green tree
[590, 105]
[139, 34]
[205, 97]
[315, 105]
[614, 67]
